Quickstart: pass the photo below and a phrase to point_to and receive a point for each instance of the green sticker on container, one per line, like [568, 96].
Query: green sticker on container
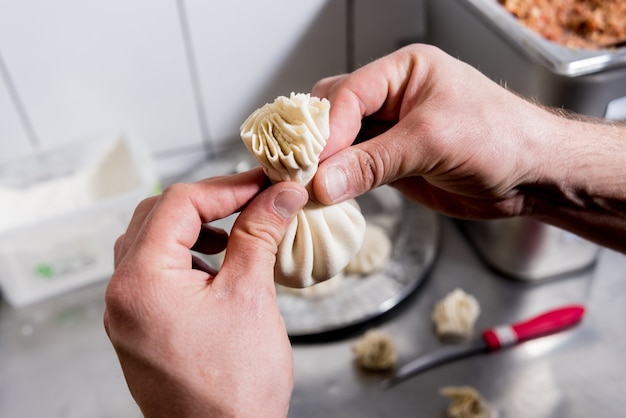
[44, 271]
[157, 189]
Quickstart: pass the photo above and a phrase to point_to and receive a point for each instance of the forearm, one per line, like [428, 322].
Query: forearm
[583, 187]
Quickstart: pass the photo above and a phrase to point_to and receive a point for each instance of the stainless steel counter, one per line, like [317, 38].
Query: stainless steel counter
[55, 359]
[578, 373]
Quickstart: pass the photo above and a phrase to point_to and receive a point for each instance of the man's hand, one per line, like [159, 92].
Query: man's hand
[457, 141]
[192, 343]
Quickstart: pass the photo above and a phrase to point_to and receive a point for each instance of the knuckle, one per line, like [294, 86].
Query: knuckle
[116, 295]
[265, 235]
[117, 311]
[372, 167]
[145, 205]
[119, 248]
[176, 191]
[124, 309]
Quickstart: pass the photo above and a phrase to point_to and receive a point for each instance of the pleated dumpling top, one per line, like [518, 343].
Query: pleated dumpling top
[287, 137]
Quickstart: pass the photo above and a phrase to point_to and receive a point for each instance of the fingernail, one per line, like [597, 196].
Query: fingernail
[288, 202]
[335, 182]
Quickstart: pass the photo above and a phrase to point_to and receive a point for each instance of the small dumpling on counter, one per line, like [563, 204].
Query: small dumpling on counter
[374, 254]
[375, 351]
[456, 314]
[286, 137]
[466, 403]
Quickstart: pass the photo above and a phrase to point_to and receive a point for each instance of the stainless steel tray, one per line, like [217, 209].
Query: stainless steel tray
[558, 58]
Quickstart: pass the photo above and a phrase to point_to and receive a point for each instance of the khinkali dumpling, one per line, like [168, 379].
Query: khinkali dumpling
[467, 402]
[455, 314]
[318, 290]
[287, 137]
[375, 351]
[374, 254]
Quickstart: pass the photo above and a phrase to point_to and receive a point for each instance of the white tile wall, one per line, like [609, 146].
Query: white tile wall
[250, 52]
[84, 68]
[13, 139]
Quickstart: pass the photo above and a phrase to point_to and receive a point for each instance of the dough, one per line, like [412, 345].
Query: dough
[375, 253]
[317, 290]
[375, 351]
[455, 315]
[466, 403]
[286, 137]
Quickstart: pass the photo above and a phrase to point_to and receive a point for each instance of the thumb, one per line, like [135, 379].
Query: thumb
[257, 232]
[360, 168]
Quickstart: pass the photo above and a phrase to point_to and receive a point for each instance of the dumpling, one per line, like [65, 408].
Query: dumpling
[375, 351]
[375, 253]
[319, 290]
[466, 403]
[286, 137]
[455, 315]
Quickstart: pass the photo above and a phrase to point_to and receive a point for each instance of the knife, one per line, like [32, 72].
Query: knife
[493, 339]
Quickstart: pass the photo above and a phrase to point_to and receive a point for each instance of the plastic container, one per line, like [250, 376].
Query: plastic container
[62, 211]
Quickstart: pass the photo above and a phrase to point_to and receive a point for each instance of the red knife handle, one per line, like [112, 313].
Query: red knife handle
[547, 323]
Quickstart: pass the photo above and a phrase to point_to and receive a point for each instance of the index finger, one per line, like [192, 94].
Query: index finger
[174, 223]
[374, 89]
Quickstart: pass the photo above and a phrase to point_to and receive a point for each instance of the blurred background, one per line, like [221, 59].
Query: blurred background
[180, 76]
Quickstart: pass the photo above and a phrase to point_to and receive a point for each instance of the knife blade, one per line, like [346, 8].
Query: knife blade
[493, 339]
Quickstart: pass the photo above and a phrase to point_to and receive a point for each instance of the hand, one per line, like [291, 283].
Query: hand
[458, 143]
[192, 343]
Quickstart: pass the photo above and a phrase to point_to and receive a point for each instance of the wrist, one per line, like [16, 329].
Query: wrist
[585, 161]
[581, 181]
